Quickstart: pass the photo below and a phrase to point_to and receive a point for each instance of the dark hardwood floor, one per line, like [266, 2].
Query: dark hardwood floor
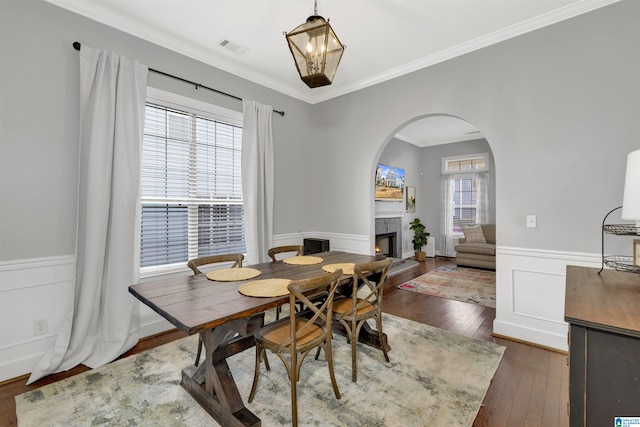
[530, 388]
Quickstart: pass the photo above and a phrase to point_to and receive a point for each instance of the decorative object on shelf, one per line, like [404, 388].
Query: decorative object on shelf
[631, 200]
[316, 50]
[420, 238]
[630, 212]
[411, 199]
[618, 262]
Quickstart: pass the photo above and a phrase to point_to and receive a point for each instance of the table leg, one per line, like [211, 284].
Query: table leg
[212, 384]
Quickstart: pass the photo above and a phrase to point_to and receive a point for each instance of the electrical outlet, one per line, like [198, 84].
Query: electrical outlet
[40, 327]
[532, 221]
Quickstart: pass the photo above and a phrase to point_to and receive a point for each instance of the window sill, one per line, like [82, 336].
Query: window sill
[154, 273]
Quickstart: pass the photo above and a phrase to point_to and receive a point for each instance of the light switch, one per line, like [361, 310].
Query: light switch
[531, 221]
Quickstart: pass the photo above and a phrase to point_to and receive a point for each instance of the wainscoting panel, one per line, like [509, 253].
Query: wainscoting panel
[534, 292]
[32, 290]
[530, 294]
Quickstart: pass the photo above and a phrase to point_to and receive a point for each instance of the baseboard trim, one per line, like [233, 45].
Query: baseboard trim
[532, 344]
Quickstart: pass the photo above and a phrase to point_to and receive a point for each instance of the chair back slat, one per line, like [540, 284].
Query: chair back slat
[312, 314]
[194, 264]
[373, 276]
[365, 303]
[299, 250]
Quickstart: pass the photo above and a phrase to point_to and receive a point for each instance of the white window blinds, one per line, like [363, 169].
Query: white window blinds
[191, 187]
[465, 201]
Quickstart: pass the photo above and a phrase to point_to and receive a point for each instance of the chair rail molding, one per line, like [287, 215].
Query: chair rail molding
[354, 243]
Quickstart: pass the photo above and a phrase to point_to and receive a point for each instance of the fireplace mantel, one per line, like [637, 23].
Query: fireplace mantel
[389, 215]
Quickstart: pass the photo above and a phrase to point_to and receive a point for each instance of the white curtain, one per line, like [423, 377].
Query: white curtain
[257, 180]
[483, 215]
[104, 321]
[447, 241]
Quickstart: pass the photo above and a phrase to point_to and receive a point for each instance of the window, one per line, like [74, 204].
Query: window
[465, 201]
[191, 185]
[465, 174]
[468, 163]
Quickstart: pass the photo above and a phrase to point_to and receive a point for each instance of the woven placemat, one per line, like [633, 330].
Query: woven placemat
[303, 260]
[233, 274]
[266, 288]
[347, 267]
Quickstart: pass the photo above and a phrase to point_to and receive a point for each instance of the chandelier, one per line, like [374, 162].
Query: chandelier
[316, 50]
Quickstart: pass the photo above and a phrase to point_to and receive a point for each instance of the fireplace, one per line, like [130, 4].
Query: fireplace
[388, 236]
[386, 244]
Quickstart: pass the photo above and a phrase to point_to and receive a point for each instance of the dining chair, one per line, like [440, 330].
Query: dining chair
[292, 338]
[365, 303]
[299, 250]
[195, 265]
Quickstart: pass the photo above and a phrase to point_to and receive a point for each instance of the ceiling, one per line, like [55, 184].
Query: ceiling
[384, 38]
[438, 130]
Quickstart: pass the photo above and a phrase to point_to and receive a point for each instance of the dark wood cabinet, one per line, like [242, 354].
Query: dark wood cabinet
[603, 312]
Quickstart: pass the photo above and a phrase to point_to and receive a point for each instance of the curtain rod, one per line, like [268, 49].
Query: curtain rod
[78, 45]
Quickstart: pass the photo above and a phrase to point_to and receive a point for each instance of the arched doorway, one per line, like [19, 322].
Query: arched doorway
[418, 146]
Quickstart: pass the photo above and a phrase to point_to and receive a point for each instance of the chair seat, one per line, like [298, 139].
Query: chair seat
[279, 332]
[343, 307]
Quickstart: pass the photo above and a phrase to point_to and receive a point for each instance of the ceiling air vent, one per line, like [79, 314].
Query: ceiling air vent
[233, 47]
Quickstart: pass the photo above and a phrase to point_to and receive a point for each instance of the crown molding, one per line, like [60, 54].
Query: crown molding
[105, 17]
[524, 27]
[96, 13]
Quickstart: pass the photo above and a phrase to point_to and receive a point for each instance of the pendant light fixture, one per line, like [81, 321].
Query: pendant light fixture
[316, 50]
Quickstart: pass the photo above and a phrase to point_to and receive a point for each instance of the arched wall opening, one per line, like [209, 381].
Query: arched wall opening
[417, 147]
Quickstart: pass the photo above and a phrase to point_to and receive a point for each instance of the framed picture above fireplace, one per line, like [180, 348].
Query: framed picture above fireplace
[389, 182]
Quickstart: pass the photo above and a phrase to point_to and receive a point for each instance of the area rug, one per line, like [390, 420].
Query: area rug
[457, 283]
[434, 378]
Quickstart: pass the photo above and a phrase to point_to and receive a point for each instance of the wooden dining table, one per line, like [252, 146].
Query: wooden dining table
[226, 321]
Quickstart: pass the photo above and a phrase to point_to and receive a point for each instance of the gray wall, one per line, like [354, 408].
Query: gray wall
[401, 154]
[558, 106]
[431, 162]
[39, 124]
